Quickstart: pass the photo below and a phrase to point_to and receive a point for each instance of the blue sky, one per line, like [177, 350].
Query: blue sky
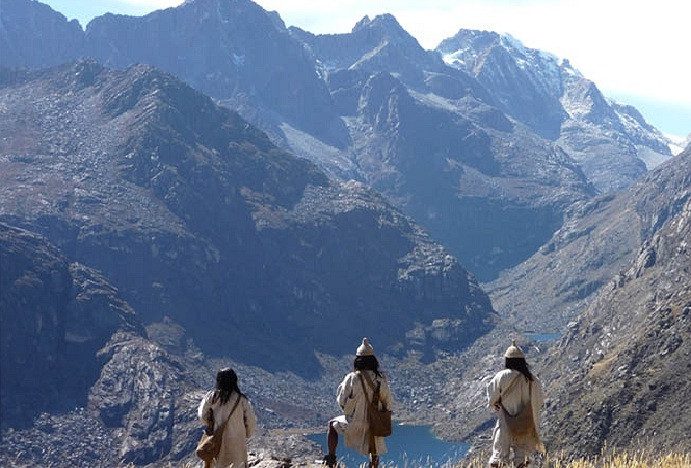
[632, 49]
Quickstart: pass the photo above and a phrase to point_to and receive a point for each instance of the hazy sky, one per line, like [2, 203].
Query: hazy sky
[636, 51]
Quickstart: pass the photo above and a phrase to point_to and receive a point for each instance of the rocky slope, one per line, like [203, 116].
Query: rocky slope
[617, 379]
[70, 341]
[599, 238]
[612, 143]
[194, 214]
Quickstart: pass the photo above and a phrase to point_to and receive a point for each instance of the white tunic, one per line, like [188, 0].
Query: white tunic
[513, 402]
[352, 400]
[240, 427]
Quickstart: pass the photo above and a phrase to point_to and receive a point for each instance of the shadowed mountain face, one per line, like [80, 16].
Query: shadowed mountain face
[618, 377]
[33, 35]
[194, 214]
[232, 50]
[612, 143]
[54, 318]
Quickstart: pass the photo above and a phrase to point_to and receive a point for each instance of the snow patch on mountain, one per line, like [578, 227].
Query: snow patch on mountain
[677, 143]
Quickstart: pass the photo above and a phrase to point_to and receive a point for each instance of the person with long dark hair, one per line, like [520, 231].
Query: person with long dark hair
[516, 395]
[227, 402]
[353, 395]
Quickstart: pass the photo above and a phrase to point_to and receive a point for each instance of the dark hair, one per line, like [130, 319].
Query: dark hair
[518, 364]
[226, 384]
[366, 363]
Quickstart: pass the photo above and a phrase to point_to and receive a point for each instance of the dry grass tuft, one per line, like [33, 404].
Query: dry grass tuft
[615, 460]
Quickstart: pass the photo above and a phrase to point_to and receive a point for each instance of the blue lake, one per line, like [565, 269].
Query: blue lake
[408, 446]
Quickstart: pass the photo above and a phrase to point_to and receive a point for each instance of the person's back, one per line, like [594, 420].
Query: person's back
[352, 398]
[518, 394]
[353, 394]
[508, 393]
[226, 402]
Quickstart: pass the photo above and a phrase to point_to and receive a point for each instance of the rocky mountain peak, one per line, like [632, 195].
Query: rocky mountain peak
[554, 99]
[33, 35]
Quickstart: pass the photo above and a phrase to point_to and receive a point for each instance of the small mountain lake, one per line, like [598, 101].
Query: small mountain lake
[408, 446]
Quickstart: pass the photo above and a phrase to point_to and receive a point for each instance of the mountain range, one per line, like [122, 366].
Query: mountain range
[437, 137]
[203, 185]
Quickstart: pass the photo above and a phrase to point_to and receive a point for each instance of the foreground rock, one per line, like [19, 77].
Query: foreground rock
[55, 317]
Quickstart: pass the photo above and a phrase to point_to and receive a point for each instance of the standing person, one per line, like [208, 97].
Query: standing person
[516, 395]
[353, 396]
[227, 402]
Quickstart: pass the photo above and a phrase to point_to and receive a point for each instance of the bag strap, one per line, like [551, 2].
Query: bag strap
[375, 391]
[508, 390]
[372, 441]
[364, 390]
[222, 427]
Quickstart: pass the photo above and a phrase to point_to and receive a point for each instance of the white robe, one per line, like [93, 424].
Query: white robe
[513, 402]
[353, 424]
[240, 427]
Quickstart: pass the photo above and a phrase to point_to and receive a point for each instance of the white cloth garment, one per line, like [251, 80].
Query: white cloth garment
[240, 427]
[353, 423]
[513, 402]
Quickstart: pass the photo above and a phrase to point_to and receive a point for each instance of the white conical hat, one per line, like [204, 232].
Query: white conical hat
[514, 351]
[365, 349]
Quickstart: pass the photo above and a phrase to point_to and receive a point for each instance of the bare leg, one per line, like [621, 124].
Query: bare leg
[332, 439]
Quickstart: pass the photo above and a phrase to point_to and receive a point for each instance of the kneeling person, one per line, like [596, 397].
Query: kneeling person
[354, 395]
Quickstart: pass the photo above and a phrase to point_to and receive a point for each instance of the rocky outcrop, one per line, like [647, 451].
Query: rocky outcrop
[70, 341]
[194, 214]
[617, 377]
[55, 318]
[599, 239]
[612, 143]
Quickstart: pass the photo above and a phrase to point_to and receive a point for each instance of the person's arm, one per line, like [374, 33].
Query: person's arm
[385, 396]
[250, 418]
[345, 391]
[204, 412]
[494, 392]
